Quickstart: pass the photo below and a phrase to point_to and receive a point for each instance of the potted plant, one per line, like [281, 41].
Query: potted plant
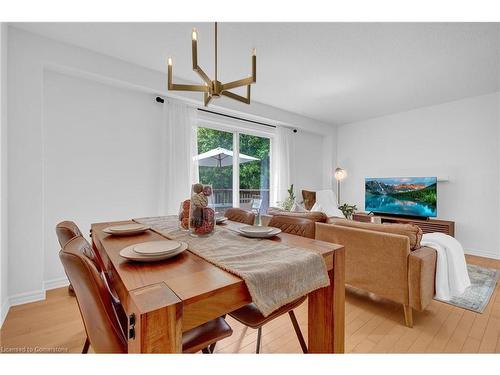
[348, 210]
[288, 202]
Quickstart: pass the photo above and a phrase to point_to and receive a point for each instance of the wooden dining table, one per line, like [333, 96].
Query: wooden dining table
[164, 299]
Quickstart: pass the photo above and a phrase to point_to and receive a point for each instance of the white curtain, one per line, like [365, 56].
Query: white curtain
[281, 159]
[180, 169]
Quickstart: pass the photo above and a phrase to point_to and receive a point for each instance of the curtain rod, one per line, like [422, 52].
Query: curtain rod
[235, 117]
[161, 100]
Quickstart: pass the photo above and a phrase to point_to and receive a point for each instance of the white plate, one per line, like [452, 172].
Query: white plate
[130, 254]
[157, 247]
[126, 227]
[256, 229]
[130, 232]
[272, 233]
[220, 220]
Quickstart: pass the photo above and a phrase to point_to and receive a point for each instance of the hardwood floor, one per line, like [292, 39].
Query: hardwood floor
[372, 326]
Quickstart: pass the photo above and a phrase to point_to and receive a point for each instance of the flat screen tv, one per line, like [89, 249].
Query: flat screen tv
[409, 196]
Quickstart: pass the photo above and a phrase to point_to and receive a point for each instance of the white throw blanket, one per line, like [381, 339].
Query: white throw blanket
[326, 202]
[452, 277]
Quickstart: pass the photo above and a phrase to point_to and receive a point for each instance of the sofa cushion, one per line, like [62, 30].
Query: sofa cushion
[319, 217]
[413, 232]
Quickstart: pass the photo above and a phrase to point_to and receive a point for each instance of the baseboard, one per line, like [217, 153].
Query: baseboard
[22, 298]
[484, 254]
[4, 310]
[39, 295]
[55, 283]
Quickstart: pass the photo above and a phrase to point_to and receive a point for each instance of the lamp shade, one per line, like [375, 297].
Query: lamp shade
[340, 174]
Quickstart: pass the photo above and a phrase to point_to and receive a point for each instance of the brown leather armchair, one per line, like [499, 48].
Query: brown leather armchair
[294, 225]
[98, 306]
[240, 215]
[315, 216]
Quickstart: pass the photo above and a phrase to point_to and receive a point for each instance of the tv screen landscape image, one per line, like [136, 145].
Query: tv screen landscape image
[410, 196]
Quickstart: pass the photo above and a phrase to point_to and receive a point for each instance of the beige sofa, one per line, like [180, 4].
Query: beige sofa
[385, 259]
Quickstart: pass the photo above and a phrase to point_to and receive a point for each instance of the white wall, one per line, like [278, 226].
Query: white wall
[38, 97]
[102, 158]
[307, 162]
[3, 169]
[458, 140]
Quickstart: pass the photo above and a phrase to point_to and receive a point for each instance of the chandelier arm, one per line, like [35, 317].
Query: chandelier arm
[177, 87]
[207, 98]
[244, 81]
[241, 82]
[196, 67]
[237, 97]
[203, 75]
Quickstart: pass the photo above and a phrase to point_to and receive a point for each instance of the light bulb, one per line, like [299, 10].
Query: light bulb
[195, 34]
[254, 52]
[340, 174]
[170, 61]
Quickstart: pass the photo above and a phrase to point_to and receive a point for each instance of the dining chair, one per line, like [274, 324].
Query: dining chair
[240, 215]
[299, 226]
[249, 315]
[97, 303]
[65, 231]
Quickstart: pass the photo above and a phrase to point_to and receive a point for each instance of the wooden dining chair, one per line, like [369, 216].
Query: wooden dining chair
[250, 315]
[240, 215]
[97, 303]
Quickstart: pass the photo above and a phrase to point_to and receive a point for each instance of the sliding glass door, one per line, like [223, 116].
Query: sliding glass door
[237, 166]
[215, 165]
[254, 172]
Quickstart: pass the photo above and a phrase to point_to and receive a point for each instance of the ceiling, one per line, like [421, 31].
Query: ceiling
[334, 72]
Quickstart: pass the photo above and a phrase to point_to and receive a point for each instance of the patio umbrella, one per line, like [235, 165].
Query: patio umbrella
[220, 157]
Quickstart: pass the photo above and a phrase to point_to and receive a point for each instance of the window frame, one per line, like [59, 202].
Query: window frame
[236, 130]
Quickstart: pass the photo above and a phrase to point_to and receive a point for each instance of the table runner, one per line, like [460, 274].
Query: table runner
[274, 273]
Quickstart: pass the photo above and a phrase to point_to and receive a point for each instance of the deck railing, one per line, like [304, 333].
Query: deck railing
[224, 197]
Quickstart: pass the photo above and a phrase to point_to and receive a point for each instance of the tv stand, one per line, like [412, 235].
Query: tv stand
[427, 225]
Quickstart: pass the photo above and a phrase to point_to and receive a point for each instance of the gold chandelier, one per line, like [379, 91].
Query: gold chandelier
[213, 89]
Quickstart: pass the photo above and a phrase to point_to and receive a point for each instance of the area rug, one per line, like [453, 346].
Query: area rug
[476, 297]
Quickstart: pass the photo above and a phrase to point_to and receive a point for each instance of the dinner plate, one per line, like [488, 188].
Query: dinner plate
[126, 233]
[272, 233]
[157, 247]
[126, 227]
[130, 254]
[220, 220]
[256, 229]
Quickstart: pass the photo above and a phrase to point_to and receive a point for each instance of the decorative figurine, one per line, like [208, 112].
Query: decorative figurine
[201, 212]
